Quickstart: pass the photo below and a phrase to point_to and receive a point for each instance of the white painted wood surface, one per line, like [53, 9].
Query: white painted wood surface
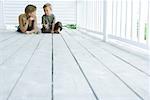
[83, 69]
[69, 83]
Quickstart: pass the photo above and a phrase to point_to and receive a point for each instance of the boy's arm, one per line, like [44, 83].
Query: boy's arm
[44, 23]
[22, 27]
[53, 25]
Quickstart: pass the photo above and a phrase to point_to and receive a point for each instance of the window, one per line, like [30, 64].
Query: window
[64, 10]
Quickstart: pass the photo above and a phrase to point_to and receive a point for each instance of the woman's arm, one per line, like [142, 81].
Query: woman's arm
[35, 25]
[23, 26]
[35, 28]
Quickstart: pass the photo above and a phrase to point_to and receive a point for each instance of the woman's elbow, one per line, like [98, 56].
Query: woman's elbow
[23, 30]
[36, 29]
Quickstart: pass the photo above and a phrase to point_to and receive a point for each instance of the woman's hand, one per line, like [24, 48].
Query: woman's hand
[31, 19]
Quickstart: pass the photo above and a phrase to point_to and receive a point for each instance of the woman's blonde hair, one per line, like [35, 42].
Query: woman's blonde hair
[30, 8]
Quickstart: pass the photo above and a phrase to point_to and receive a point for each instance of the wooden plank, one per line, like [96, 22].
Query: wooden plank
[6, 40]
[5, 37]
[25, 73]
[10, 41]
[35, 83]
[140, 62]
[135, 61]
[11, 70]
[122, 69]
[69, 83]
[105, 79]
[11, 50]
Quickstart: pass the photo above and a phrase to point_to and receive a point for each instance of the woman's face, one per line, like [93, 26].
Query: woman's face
[32, 14]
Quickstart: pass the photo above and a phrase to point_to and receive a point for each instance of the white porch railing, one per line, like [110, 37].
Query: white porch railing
[125, 20]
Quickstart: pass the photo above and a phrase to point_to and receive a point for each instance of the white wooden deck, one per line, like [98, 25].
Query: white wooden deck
[70, 66]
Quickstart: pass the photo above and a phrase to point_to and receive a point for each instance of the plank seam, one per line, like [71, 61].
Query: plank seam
[8, 38]
[25, 67]
[15, 51]
[52, 73]
[96, 97]
[125, 61]
[12, 42]
[108, 69]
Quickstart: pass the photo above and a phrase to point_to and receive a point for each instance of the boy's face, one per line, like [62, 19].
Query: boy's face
[47, 10]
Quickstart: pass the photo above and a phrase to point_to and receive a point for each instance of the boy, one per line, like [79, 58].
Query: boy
[28, 20]
[48, 21]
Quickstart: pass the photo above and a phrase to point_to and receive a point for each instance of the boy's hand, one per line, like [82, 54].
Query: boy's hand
[27, 32]
[52, 31]
[46, 26]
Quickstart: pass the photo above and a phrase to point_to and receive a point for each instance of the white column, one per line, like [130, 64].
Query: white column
[76, 1]
[105, 38]
[148, 28]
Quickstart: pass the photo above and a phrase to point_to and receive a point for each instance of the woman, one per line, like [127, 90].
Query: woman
[28, 20]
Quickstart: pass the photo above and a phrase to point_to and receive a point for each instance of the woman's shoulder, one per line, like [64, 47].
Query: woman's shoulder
[22, 16]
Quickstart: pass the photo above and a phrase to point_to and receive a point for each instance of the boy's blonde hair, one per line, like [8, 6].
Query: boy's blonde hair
[30, 8]
[47, 5]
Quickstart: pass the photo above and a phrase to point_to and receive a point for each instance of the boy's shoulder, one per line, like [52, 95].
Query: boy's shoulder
[53, 15]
